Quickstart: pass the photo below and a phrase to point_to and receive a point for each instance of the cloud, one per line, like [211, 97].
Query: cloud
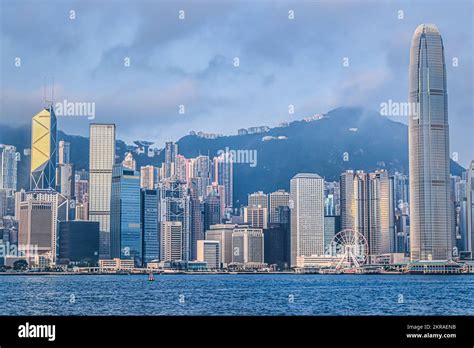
[190, 62]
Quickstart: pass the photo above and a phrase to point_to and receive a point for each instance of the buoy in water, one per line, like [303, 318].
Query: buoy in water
[151, 277]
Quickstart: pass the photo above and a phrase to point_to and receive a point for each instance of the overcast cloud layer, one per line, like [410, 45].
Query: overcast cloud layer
[190, 62]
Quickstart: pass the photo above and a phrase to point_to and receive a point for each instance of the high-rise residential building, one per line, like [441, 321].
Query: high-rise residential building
[256, 216]
[171, 240]
[8, 167]
[78, 242]
[7, 203]
[307, 216]
[258, 199]
[209, 251]
[171, 151]
[149, 177]
[20, 196]
[247, 245]
[101, 161]
[65, 179]
[81, 189]
[223, 174]
[150, 225]
[223, 234]
[181, 167]
[470, 207]
[125, 215]
[278, 199]
[201, 171]
[129, 162]
[431, 235]
[82, 211]
[64, 152]
[43, 150]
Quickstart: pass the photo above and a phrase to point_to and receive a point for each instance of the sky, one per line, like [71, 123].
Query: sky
[139, 63]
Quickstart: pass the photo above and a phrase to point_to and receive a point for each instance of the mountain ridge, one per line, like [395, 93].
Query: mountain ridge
[345, 138]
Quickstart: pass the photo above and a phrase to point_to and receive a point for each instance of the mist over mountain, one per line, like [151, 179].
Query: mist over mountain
[345, 138]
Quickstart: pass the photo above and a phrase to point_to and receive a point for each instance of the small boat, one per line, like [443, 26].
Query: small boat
[151, 277]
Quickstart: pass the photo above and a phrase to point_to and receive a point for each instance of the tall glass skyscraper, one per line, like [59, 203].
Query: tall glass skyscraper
[101, 160]
[431, 235]
[150, 225]
[43, 150]
[125, 215]
[8, 167]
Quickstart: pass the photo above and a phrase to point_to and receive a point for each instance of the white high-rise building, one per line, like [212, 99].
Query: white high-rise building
[209, 251]
[223, 234]
[101, 161]
[307, 216]
[171, 240]
[431, 232]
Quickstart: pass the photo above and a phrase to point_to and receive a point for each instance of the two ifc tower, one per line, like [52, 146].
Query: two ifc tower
[431, 235]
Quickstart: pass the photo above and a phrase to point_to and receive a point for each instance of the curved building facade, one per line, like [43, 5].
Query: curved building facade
[431, 234]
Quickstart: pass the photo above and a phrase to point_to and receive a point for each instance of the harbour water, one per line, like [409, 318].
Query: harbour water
[237, 295]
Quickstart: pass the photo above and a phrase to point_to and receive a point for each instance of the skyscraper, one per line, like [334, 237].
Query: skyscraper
[278, 199]
[258, 200]
[43, 150]
[64, 149]
[247, 245]
[470, 207]
[175, 205]
[209, 251]
[125, 215]
[148, 177]
[101, 160]
[367, 206]
[8, 167]
[150, 225]
[256, 216]
[431, 235]
[171, 151]
[223, 234]
[223, 167]
[37, 227]
[307, 216]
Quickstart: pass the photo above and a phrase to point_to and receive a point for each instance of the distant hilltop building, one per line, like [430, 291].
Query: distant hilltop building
[269, 137]
[206, 135]
[313, 118]
[253, 130]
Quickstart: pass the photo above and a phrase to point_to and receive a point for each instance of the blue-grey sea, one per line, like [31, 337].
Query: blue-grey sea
[237, 295]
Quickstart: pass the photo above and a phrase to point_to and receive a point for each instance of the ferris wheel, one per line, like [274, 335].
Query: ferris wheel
[350, 249]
